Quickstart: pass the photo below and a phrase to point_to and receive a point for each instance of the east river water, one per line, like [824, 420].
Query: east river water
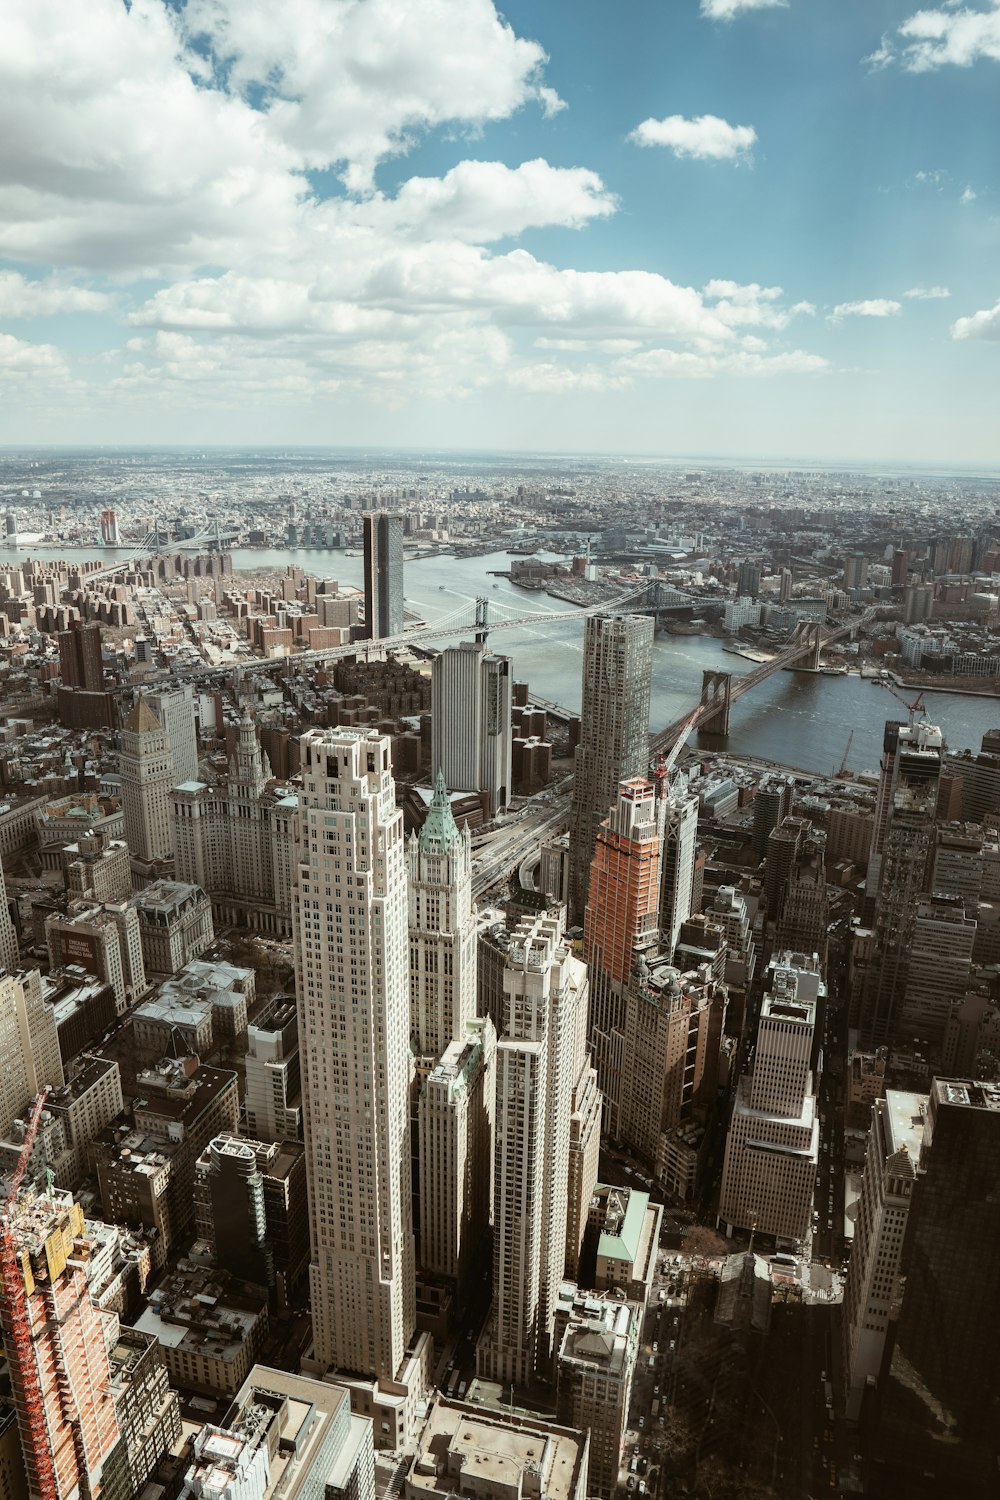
[795, 718]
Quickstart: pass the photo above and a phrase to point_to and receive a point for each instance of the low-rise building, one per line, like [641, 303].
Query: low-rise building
[148, 1411]
[200, 1009]
[594, 1371]
[175, 924]
[86, 1104]
[210, 1328]
[284, 1435]
[478, 1455]
[628, 1230]
[273, 1088]
[104, 938]
[251, 1212]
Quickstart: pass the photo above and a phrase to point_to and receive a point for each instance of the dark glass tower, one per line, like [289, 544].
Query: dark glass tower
[383, 574]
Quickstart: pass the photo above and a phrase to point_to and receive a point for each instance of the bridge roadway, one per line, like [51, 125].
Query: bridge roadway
[660, 743]
[511, 847]
[449, 626]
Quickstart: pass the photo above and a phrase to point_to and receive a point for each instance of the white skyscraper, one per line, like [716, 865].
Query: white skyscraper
[773, 1143]
[147, 770]
[174, 707]
[30, 1046]
[350, 927]
[9, 953]
[455, 1052]
[442, 929]
[678, 812]
[614, 743]
[470, 721]
[872, 1289]
[545, 998]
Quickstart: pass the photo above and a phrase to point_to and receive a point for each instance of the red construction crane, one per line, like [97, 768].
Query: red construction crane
[664, 764]
[17, 1332]
[917, 706]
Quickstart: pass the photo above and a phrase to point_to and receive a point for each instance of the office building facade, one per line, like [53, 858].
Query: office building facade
[471, 734]
[621, 919]
[147, 775]
[383, 565]
[910, 807]
[772, 1147]
[614, 744]
[872, 1289]
[350, 935]
[538, 1070]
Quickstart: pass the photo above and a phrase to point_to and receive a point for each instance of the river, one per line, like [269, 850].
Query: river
[796, 718]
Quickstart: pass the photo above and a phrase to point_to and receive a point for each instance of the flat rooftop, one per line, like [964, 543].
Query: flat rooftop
[905, 1115]
[967, 1092]
[494, 1450]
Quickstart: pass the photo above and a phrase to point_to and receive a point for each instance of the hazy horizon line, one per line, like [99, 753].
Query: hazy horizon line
[438, 449]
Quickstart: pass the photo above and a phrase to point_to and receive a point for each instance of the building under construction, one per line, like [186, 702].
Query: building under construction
[56, 1349]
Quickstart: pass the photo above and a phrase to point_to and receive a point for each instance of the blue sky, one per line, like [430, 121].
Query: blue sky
[689, 226]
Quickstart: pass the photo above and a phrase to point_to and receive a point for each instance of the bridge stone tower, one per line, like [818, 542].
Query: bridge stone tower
[717, 697]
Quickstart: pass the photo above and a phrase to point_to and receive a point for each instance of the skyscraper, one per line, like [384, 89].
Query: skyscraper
[614, 745]
[471, 722]
[442, 929]
[57, 1355]
[773, 1143]
[29, 1045]
[174, 707]
[455, 1051]
[905, 871]
[771, 805]
[146, 767]
[545, 991]
[678, 816]
[9, 950]
[941, 1404]
[871, 1291]
[80, 664]
[938, 969]
[455, 1142]
[383, 548]
[350, 935]
[883, 799]
[621, 919]
[673, 1030]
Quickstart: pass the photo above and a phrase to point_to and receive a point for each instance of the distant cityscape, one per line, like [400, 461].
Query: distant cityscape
[499, 978]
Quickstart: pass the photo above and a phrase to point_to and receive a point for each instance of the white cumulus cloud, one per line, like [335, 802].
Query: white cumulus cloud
[22, 360]
[225, 152]
[871, 307]
[347, 82]
[673, 363]
[927, 293]
[486, 200]
[22, 297]
[706, 137]
[969, 195]
[953, 35]
[726, 10]
[981, 325]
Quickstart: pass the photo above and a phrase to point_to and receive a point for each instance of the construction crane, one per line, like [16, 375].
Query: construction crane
[917, 706]
[664, 764]
[17, 1330]
[843, 764]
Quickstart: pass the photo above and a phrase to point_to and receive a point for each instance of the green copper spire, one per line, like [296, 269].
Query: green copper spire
[440, 829]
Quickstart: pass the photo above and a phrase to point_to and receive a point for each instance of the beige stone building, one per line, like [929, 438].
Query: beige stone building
[540, 1060]
[350, 926]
